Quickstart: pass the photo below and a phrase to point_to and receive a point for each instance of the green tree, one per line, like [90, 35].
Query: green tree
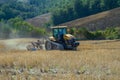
[110, 4]
[2, 14]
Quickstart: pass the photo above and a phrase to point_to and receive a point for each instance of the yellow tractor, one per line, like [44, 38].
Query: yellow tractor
[61, 40]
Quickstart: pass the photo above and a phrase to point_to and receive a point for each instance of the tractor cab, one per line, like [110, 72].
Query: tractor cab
[59, 32]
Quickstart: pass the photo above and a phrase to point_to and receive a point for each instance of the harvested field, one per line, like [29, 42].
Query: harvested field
[94, 60]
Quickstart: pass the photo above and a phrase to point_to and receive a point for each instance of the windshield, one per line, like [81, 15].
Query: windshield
[59, 31]
[62, 31]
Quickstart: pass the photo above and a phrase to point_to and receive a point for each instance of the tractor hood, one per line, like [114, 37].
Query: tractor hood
[52, 38]
[68, 36]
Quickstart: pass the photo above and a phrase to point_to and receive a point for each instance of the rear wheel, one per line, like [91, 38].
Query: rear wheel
[48, 45]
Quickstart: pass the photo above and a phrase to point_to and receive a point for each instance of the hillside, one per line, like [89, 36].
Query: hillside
[40, 20]
[98, 21]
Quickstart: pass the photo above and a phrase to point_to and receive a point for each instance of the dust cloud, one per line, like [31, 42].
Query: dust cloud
[15, 44]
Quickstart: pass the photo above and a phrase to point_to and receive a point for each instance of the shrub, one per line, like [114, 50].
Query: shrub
[98, 35]
[18, 27]
[85, 33]
[108, 33]
[112, 33]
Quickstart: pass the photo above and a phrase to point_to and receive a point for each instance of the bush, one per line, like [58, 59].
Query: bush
[108, 33]
[112, 33]
[98, 35]
[118, 32]
[85, 33]
[72, 31]
[5, 30]
[18, 27]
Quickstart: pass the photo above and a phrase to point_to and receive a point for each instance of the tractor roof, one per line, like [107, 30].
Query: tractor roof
[59, 27]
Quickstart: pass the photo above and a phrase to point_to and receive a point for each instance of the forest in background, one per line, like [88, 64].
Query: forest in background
[62, 10]
[14, 12]
[82, 8]
[29, 8]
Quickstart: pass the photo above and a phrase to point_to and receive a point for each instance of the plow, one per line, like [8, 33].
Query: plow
[38, 45]
[60, 40]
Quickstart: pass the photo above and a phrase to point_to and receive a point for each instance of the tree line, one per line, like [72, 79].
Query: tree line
[28, 8]
[82, 8]
[62, 10]
[14, 12]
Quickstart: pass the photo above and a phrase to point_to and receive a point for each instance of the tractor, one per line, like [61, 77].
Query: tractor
[61, 40]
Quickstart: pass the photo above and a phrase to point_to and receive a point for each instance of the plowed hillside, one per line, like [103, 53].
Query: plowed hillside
[39, 21]
[102, 20]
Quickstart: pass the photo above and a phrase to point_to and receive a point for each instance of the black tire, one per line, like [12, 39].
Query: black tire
[48, 45]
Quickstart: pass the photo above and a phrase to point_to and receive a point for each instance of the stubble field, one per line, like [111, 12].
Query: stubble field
[94, 60]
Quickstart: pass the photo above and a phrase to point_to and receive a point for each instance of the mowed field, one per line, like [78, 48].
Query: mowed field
[94, 60]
